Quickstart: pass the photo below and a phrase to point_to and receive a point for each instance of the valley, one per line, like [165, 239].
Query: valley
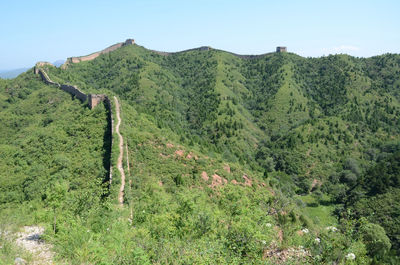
[233, 159]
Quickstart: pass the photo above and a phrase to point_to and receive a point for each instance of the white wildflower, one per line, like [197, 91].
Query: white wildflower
[264, 242]
[350, 256]
[331, 228]
[305, 230]
[268, 224]
[317, 240]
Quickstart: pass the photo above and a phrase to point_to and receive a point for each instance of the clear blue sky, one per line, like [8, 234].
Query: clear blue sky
[38, 30]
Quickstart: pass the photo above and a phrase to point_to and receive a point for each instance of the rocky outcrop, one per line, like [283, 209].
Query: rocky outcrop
[92, 56]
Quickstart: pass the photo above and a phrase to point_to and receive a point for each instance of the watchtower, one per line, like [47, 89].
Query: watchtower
[129, 42]
[95, 99]
[281, 49]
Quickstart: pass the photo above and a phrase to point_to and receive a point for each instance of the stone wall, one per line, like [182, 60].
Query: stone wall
[281, 49]
[73, 90]
[97, 54]
[45, 77]
[93, 101]
[40, 64]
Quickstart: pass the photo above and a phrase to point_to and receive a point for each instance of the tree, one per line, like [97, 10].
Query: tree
[55, 196]
[375, 239]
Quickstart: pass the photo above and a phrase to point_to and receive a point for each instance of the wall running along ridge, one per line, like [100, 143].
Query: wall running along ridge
[92, 56]
[208, 48]
[93, 101]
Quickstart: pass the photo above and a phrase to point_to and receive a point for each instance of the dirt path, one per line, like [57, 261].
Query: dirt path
[121, 153]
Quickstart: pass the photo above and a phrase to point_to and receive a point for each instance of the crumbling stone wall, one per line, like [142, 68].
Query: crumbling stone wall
[40, 64]
[97, 54]
[73, 90]
[281, 49]
[93, 101]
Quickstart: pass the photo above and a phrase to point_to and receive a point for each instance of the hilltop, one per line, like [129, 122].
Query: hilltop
[228, 158]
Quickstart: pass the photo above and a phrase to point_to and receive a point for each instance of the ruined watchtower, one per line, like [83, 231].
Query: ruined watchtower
[95, 99]
[129, 42]
[281, 49]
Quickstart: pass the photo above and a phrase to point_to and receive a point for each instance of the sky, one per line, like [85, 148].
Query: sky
[33, 31]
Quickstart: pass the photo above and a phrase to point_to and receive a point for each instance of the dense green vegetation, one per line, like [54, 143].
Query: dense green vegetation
[231, 160]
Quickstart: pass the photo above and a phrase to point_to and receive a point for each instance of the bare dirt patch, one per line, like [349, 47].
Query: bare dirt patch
[204, 176]
[217, 181]
[30, 239]
[247, 182]
[180, 153]
[294, 255]
[227, 168]
[315, 183]
[192, 155]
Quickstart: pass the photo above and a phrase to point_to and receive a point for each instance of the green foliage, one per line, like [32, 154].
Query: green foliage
[229, 157]
[376, 241]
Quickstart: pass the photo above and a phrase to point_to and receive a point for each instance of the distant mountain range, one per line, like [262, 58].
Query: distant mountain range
[8, 74]
[12, 73]
[58, 63]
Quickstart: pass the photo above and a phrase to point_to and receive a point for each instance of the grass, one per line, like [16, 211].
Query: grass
[321, 214]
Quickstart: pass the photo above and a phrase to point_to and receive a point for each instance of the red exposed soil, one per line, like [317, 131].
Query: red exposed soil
[247, 182]
[180, 152]
[204, 176]
[227, 168]
[315, 183]
[217, 181]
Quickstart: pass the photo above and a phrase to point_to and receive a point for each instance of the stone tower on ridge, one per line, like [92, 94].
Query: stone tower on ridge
[281, 49]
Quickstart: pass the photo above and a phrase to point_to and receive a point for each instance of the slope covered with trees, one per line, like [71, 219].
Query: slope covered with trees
[231, 160]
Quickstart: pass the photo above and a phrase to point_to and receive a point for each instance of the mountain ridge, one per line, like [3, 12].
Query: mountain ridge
[245, 159]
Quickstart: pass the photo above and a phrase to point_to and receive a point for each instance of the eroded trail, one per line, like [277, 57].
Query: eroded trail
[121, 153]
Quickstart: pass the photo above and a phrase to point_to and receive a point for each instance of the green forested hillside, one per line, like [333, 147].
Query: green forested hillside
[230, 158]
